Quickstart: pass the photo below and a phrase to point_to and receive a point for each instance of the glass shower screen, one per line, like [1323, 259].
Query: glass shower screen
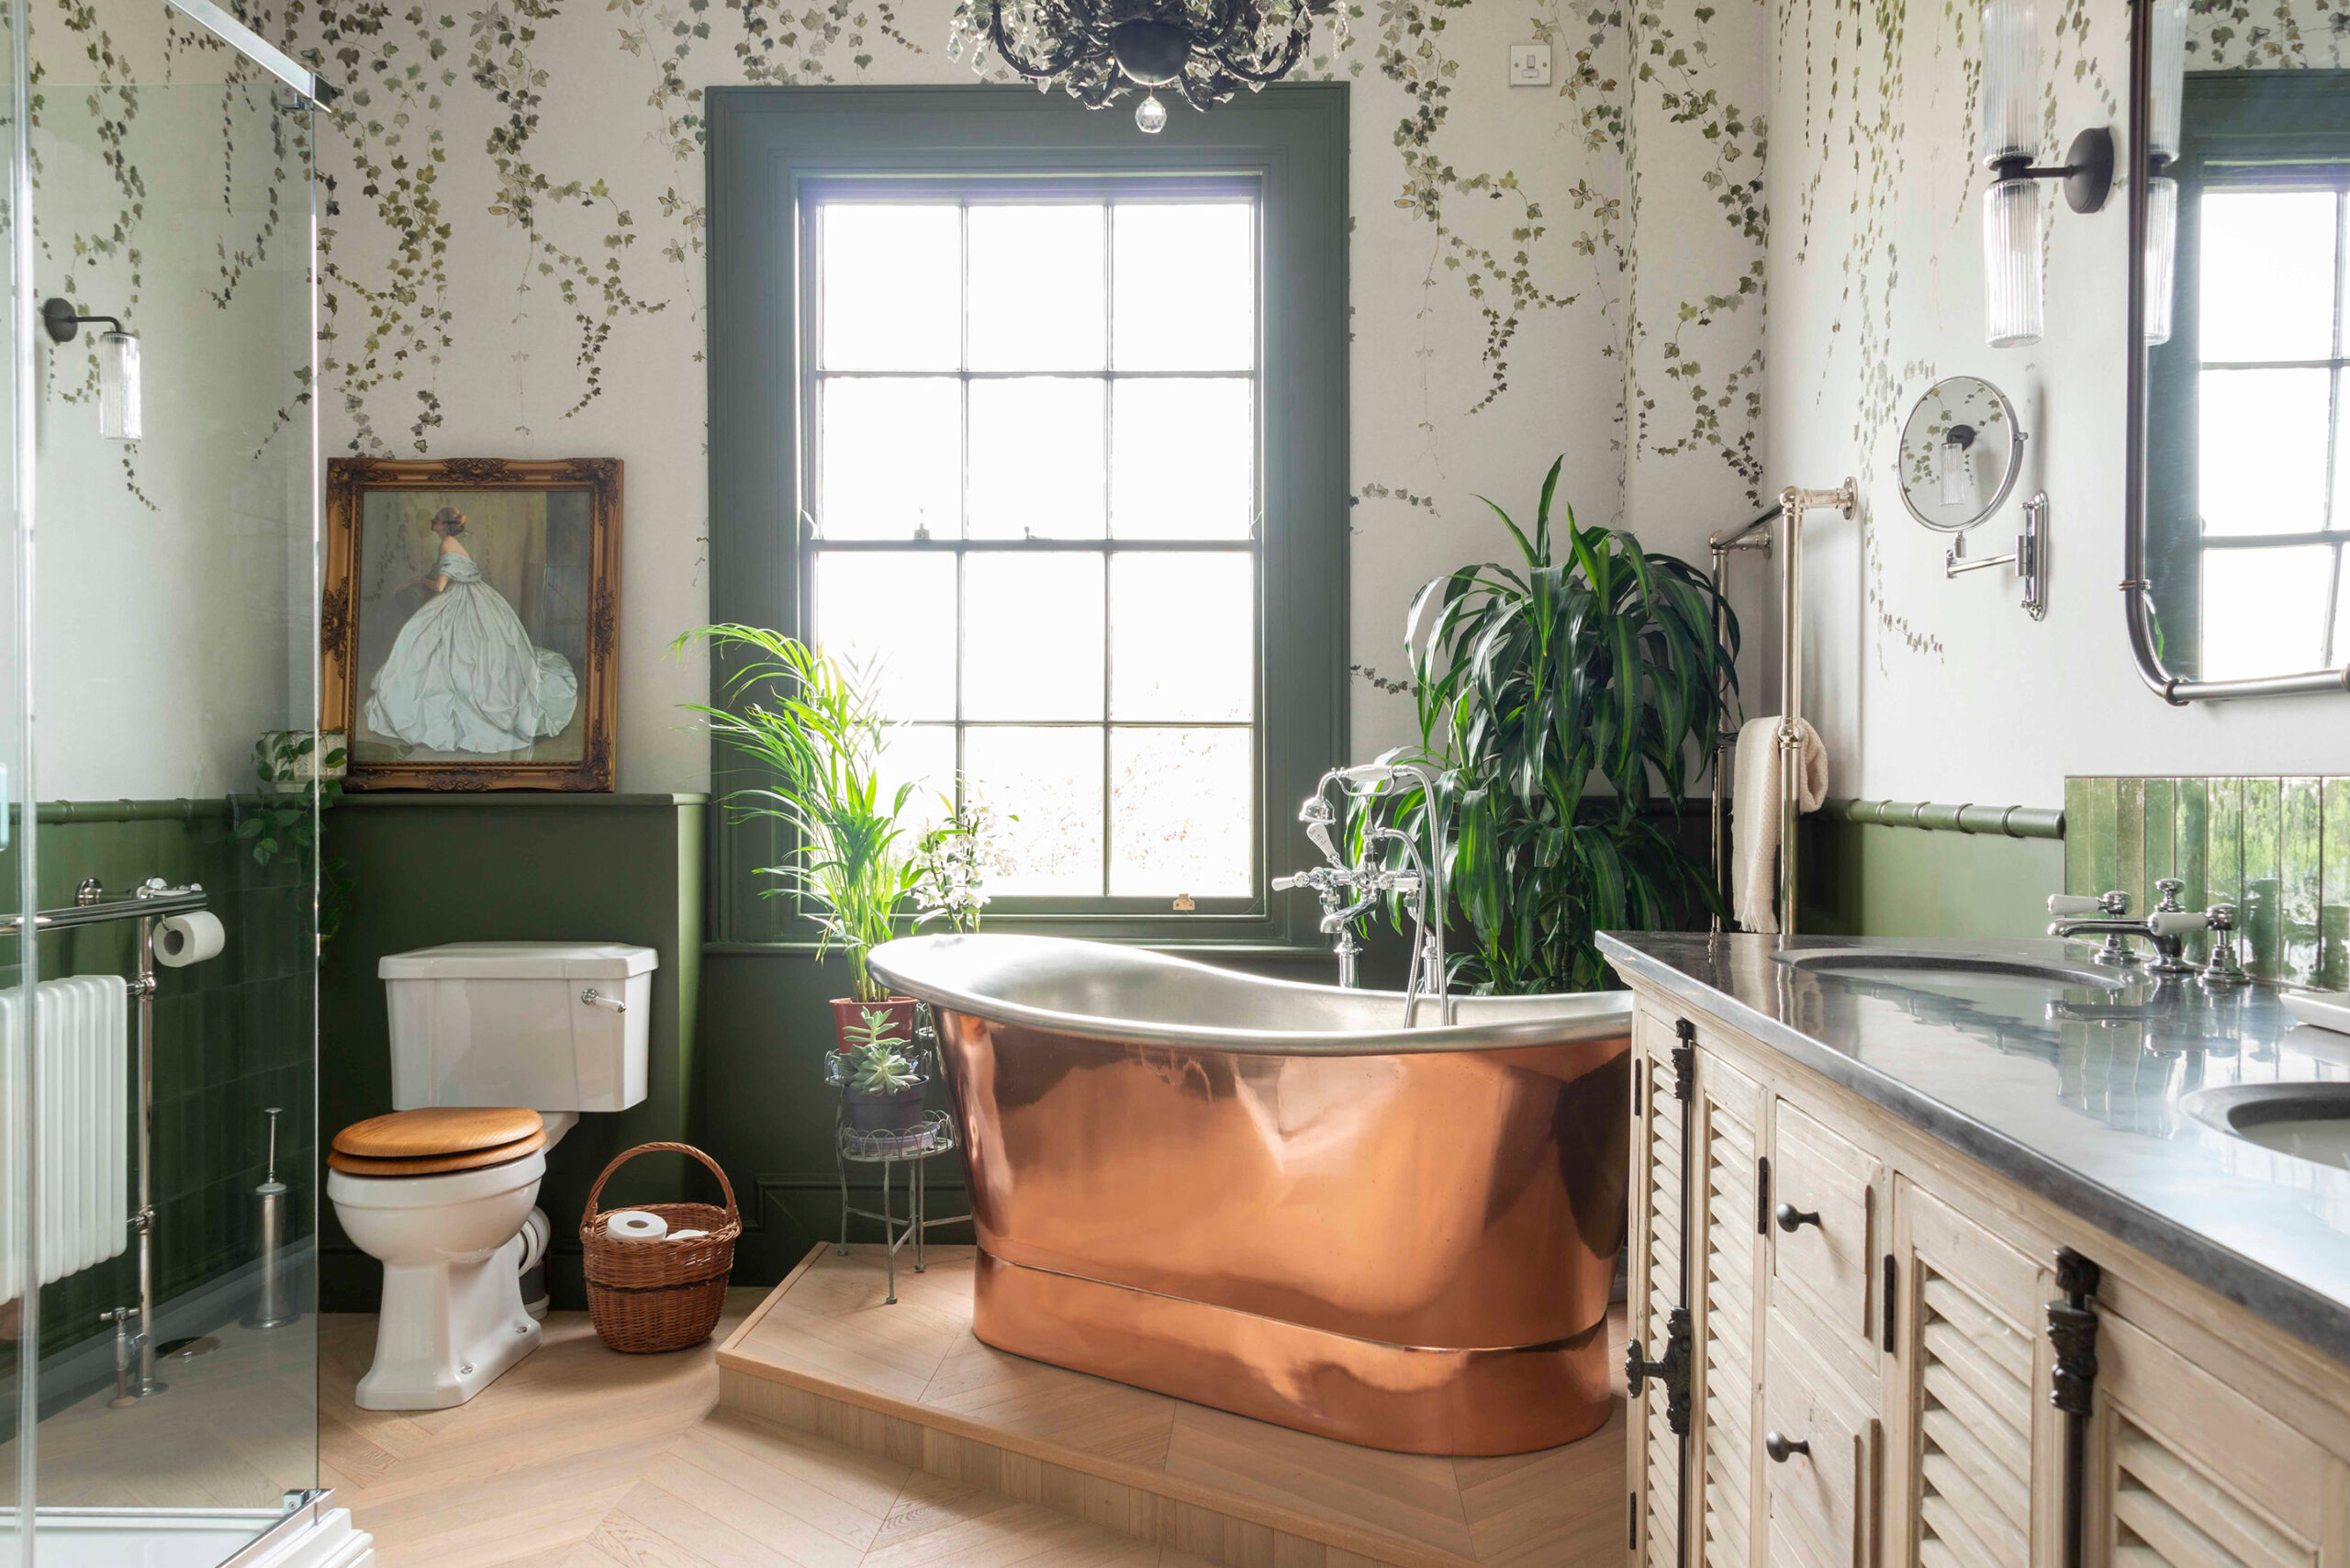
[158, 618]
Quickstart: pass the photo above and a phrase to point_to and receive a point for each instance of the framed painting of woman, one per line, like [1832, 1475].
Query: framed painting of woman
[469, 621]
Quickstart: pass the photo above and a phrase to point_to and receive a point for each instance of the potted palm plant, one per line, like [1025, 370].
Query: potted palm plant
[1588, 661]
[811, 725]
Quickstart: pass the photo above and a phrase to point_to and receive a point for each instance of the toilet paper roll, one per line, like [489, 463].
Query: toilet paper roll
[635, 1224]
[687, 1235]
[185, 939]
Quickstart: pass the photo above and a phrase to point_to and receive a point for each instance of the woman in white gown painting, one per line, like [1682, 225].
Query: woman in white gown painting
[463, 675]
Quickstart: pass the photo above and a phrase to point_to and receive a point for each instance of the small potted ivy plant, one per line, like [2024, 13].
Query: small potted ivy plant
[881, 1086]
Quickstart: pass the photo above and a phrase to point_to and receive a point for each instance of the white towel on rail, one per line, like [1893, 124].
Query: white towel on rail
[81, 1126]
[1754, 816]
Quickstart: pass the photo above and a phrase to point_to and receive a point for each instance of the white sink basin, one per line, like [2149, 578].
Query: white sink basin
[2309, 1121]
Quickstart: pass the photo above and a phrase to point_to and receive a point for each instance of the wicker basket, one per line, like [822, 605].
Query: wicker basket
[644, 1296]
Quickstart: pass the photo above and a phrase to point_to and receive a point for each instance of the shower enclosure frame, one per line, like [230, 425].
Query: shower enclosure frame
[308, 1531]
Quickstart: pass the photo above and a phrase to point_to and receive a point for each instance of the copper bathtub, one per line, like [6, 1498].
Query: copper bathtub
[1273, 1199]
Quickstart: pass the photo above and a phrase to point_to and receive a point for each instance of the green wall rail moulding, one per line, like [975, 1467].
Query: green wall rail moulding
[2012, 822]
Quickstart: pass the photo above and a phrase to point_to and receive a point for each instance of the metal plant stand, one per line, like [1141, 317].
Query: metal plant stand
[912, 1147]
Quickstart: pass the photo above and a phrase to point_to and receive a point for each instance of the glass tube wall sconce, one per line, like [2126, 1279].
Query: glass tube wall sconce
[118, 353]
[2166, 91]
[2014, 211]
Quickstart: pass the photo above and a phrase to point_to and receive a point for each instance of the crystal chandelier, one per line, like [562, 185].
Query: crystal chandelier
[1206, 50]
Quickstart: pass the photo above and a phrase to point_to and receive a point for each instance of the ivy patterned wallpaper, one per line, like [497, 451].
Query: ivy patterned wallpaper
[1925, 687]
[514, 265]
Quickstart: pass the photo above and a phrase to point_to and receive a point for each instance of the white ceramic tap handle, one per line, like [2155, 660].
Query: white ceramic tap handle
[2072, 903]
[2178, 921]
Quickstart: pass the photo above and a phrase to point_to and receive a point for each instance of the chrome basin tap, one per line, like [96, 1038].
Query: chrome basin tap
[2165, 930]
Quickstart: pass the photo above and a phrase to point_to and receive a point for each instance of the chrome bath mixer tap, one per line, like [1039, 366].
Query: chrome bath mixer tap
[1346, 891]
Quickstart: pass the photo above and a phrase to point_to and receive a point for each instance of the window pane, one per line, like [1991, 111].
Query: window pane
[893, 613]
[892, 297]
[2268, 288]
[1183, 459]
[1036, 458]
[1180, 812]
[2261, 449]
[1186, 285]
[1032, 637]
[1182, 636]
[923, 756]
[2263, 610]
[1051, 781]
[890, 458]
[1036, 288]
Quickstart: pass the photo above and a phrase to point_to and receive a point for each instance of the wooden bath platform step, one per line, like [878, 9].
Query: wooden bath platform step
[823, 1355]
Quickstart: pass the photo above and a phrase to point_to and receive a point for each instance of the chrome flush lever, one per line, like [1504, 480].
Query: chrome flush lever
[595, 998]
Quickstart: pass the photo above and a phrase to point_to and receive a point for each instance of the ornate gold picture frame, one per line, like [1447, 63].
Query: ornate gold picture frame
[470, 621]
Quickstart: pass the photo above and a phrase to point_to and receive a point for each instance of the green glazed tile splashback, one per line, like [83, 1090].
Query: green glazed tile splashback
[2279, 850]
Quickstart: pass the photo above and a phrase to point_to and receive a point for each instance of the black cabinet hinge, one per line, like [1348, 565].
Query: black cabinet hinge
[1670, 1370]
[1685, 1060]
[1761, 1194]
[1632, 1514]
[2072, 1330]
[1637, 1077]
[1891, 1297]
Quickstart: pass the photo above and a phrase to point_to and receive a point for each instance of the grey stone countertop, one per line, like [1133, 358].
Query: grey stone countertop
[2075, 1092]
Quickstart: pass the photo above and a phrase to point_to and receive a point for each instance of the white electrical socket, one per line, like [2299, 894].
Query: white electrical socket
[1530, 65]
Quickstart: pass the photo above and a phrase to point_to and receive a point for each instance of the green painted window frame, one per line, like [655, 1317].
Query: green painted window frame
[765, 144]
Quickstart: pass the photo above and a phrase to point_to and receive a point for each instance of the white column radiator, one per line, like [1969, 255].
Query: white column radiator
[81, 1145]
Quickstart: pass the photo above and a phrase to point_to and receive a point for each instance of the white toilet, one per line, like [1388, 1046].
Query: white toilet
[498, 1048]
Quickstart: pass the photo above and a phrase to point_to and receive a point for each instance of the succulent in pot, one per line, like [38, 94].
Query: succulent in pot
[883, 1088]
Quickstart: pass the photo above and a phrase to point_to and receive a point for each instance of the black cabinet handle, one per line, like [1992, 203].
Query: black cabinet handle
[1792, 1219]
[1780, 1448]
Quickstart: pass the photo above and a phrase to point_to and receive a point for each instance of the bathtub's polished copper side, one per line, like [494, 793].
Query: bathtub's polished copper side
[1358, 1391]
[1406, 1251]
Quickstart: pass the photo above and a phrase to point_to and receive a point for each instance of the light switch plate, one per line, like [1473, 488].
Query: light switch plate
[1530, 65]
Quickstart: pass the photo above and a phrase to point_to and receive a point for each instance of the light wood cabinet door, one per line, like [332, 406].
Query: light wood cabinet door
[2188, 1474]
[1730, 1256]
[1653, 1291]
[1970, 1480]
[1723, 1233]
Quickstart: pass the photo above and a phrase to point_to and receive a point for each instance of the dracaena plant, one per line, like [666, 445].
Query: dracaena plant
[1561, 698]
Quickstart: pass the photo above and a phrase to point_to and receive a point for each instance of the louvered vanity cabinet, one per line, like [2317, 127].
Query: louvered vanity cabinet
[1848, 1342]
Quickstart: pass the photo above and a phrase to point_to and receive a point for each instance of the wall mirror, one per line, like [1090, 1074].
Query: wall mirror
[1960, 449]
[2241, 215]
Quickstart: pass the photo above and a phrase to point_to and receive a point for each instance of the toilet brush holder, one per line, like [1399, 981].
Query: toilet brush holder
[272, 1306]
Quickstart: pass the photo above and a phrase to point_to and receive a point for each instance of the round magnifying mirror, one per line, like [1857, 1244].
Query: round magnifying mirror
[1960, 454]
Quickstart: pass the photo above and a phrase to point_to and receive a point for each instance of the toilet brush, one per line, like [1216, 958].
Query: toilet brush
[270, 1308]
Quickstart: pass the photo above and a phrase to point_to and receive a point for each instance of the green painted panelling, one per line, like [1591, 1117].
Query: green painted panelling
[431, 868]
[2277, 850]
[1868, 880]
[232, 1036]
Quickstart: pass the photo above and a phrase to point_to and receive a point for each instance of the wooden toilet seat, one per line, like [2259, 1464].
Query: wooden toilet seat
[435, 1141]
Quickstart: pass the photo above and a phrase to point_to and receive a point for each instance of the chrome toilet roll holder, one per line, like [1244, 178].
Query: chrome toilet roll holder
[151, 903]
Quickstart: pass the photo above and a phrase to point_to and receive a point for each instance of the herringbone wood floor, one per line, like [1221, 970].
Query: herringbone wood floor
[586, 1458]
